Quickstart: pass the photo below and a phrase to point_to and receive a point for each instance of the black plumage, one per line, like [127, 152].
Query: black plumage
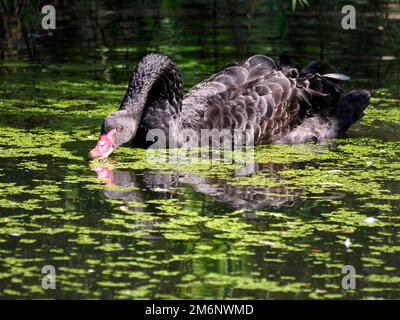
[279, 103]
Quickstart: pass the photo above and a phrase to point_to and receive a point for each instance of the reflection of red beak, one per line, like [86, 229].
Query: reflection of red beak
[104, 146]
[104, 173]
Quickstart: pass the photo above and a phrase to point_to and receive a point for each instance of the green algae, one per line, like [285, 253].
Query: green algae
[177, 240]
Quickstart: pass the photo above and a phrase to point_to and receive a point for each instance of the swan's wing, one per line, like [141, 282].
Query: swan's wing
[253, 95]
[232, 75]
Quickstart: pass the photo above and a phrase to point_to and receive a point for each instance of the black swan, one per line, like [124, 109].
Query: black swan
[279, 103]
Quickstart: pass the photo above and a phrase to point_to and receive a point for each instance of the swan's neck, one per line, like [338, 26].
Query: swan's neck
[154, 96]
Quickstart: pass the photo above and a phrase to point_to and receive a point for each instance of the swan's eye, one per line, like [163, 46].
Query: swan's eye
[118, 128]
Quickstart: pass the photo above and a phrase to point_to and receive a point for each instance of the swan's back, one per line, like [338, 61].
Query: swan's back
[254, 95]
[276, 103]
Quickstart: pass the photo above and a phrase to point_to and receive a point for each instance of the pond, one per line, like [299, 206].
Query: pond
[129, 228]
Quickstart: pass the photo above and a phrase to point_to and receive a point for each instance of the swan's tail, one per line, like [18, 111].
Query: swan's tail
[349, 109]
[319, 84]
[327, 99]
[325, 110]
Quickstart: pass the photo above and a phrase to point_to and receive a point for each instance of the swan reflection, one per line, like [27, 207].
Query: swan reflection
[144, 185]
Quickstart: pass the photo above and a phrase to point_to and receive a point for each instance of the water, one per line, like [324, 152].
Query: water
[127, 228]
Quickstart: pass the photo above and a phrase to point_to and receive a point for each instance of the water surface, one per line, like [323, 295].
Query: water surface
[128, 228]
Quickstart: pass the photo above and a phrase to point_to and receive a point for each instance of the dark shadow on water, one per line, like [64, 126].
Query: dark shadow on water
[235, 196]
[134, 187]
[68, 122]
[139, 186]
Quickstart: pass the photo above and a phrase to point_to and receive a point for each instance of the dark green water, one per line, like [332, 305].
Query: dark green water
[129, 228]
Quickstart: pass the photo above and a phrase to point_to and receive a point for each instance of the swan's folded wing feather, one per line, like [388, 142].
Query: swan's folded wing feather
[253, 95]
[253, 69]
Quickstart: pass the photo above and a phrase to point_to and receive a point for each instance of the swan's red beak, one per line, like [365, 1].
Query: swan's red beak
[104, 147]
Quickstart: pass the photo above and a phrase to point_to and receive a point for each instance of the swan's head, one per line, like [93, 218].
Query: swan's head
[118, 128]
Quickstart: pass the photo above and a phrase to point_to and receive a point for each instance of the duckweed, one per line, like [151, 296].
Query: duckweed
[198, 229]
